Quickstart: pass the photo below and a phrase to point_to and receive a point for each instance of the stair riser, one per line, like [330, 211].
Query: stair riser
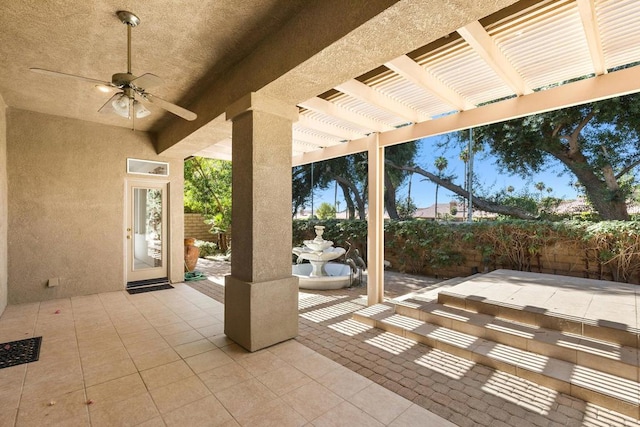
[615, 367]
[626, 408]
[601, 332]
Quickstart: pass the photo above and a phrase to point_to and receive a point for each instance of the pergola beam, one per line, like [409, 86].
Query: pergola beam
[588, 17]
[622, 82]
[331, 109]
[482, 43]
[363, 92]
[414, 72]
[306, 121]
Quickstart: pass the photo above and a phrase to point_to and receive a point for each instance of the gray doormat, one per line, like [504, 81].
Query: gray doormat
[18, 352]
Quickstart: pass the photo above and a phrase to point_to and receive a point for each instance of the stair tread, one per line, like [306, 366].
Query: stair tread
[581, 343]
[588, 378]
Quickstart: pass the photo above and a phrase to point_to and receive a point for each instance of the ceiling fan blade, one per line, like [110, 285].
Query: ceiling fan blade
[108, 106]
[146, 81]
[71, 76]
[172, 108]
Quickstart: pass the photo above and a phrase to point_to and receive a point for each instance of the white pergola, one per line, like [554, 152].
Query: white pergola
[520, 61]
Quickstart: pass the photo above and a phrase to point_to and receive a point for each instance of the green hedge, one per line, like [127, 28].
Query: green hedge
[611, 248]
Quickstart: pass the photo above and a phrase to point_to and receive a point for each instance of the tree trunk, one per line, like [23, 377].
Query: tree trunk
[356, 194]
[435, 215]
[478, 202]
[348, 200]
[390, 197]
[604, 194]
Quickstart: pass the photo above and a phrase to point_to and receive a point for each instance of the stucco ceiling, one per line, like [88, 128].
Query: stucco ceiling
[395, 68]
[186, 43]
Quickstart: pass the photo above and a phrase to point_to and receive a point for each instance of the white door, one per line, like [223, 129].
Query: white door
[146, 230]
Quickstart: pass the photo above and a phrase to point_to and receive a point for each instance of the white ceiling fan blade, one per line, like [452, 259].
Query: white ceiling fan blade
[172, 108]
[146, 81]
[71, 76]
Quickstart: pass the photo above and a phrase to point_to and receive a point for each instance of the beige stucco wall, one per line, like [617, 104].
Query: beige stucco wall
[66, 186]
[3, 207]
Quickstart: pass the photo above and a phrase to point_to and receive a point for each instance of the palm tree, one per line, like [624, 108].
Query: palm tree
[540, 187]
[464, 156]
[441, 164]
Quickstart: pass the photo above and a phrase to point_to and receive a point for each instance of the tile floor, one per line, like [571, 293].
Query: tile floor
[161, 358]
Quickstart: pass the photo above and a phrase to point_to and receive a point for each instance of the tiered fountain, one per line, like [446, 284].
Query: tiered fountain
[320, 273]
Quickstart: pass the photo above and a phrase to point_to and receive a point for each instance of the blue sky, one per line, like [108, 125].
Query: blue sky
[423, 191]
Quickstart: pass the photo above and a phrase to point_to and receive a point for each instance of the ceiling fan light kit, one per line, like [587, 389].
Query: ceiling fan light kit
[132, 88]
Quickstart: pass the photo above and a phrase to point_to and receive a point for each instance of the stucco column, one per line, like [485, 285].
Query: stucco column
[261, 294]
[375, 223]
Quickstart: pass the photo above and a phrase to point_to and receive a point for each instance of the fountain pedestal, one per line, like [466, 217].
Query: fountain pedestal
[320, 273]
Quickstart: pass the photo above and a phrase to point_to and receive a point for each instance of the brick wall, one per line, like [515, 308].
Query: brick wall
[194, 226]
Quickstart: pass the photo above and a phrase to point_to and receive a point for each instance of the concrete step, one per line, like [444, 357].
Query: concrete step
[586, 383]
[608, 357]
[599, 329]
[430, 292]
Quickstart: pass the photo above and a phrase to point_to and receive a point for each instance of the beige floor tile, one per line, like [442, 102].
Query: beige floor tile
[220, 341]
[284, 380]
[100, 358]
[262, 363]
[54, 386]
[179, 338]
[179, 393]
[165, 319]
[315, 365]
[40, 411]
[154, 422]
[139, 335]
[208, 360]
[253, 393]
[152, 359]
[147, 346]
[344, 382]
[133, 411]
[102, 373]
[212, 330]
[174, 328]
[312, 400]
[273, 413]
[204, 412]
[416, 416]
[162, 375]
[203, 321]
[236, 352]
[195, 347]
[116, 390]
[291, 350]
[224, 377]
[345, 414]
[8, 416]
[369, 400]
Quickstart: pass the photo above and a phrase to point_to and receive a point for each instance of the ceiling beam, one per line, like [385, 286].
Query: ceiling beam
[482, 43]
[329, 108]
[619, 83]
[588, 17]
[414, 72]
[366, 93]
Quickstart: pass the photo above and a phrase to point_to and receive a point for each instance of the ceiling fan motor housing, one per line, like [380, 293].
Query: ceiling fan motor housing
[122, 79]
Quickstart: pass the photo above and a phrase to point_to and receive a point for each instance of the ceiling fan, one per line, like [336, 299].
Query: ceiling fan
[133, 89]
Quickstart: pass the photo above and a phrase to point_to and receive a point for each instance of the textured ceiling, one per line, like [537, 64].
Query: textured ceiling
[186, 43]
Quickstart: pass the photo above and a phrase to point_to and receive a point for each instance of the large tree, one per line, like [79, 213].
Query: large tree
[599, 143]
[207, 189]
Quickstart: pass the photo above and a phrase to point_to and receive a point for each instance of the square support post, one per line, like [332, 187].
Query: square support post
[375, 223]
[261, 294]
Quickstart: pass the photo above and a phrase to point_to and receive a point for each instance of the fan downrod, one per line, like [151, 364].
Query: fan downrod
[128, 18]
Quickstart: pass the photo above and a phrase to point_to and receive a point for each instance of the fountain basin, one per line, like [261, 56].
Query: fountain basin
[339, 276]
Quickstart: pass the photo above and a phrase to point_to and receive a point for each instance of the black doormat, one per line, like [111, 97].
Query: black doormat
[148, 289]
[18, 352]
[156, 281]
